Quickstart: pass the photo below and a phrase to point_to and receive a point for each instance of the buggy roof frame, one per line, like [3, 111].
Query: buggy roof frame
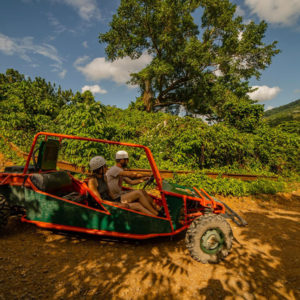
[149, 155]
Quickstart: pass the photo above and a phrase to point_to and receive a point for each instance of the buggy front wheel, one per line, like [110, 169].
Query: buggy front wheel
[209, 238]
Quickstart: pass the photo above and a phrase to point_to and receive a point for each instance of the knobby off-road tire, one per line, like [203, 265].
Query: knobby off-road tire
[4, 212]
[209, 238]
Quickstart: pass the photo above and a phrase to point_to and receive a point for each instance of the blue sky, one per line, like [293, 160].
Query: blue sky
[58, 40]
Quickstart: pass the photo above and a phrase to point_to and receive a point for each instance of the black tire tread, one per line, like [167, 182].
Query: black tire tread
[4, 212]
[198, 227]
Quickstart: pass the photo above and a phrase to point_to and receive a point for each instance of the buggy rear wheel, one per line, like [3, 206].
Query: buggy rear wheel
[209, 238]
[4, 212]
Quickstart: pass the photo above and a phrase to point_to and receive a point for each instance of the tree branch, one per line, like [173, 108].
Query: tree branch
[172, 86]
[167, 104]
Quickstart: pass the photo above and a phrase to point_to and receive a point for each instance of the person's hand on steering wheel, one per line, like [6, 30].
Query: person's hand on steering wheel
[149, 181]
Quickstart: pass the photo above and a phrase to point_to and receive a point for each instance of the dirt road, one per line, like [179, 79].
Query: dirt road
[264, 262]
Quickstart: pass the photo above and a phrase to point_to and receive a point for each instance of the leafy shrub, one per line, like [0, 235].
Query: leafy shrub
[28, 106]
[228, 186]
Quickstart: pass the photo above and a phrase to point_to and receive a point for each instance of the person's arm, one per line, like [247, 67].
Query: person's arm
[93, 186]
[131, 174]
[134, 181]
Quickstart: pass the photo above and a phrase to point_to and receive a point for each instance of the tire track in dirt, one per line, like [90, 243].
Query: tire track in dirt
[264, 262]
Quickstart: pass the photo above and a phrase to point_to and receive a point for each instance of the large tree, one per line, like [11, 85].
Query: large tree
[193, 65]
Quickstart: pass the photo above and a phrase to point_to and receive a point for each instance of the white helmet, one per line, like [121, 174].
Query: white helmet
[121, 154]
[97, 162]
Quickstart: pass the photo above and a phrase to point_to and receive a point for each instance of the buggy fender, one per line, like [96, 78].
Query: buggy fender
[231, 214]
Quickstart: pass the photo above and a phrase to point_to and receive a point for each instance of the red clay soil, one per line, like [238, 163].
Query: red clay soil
[264, 262]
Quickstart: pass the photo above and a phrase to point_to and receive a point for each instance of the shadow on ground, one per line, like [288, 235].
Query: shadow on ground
[264, 264]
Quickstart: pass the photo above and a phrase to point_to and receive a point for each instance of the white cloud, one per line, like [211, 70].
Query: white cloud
[269, 107]
[7, 45]
[25, 48]
[239, 11]
[63, 73]
[264, 93]
[58, 26]
[283, 12]
[119, 70]
[80, 60]
[85, 44]
[95, 89]
[87, 9]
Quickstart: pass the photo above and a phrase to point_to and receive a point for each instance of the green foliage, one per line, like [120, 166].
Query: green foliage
[234, 187]
[176, 143]
[285, 117]
[27, 106]
[290, 126]
[289, 108]
[9, 154]
[82, 117]
[240, 113]
[185, 57]
[189, 143]
[277, 149]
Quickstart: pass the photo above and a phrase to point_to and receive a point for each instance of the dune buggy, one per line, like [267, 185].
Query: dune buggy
[50, 198]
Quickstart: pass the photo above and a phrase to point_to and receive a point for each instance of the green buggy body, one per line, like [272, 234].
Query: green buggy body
[54, 199]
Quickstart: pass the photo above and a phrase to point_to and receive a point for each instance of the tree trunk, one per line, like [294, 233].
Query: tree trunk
[148, 96]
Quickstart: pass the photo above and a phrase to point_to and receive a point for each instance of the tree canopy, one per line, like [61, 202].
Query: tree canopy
[31, 105]
[28, 106]
[193, 65]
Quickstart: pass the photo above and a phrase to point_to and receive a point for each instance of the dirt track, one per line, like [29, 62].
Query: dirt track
[264, 262]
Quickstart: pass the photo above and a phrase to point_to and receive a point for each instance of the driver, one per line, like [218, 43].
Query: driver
[97, 183]
[115, 176]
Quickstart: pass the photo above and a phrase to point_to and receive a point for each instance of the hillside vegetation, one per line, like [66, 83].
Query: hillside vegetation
[29, 106]
[287, 117]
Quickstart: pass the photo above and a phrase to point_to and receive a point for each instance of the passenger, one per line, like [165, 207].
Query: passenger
[98, 185]
[115, 176]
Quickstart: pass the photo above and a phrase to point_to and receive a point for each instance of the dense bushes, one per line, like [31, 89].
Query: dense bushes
[177, 143]
[29, 106]
[227, 186]
[189, 143]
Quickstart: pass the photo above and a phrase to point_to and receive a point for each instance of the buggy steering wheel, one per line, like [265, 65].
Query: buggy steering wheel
[149, 181]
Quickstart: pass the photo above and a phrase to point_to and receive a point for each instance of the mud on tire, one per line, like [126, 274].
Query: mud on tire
[209, 238]
[4, 212]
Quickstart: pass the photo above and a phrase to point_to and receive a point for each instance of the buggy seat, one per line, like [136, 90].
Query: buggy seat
[56, 183]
